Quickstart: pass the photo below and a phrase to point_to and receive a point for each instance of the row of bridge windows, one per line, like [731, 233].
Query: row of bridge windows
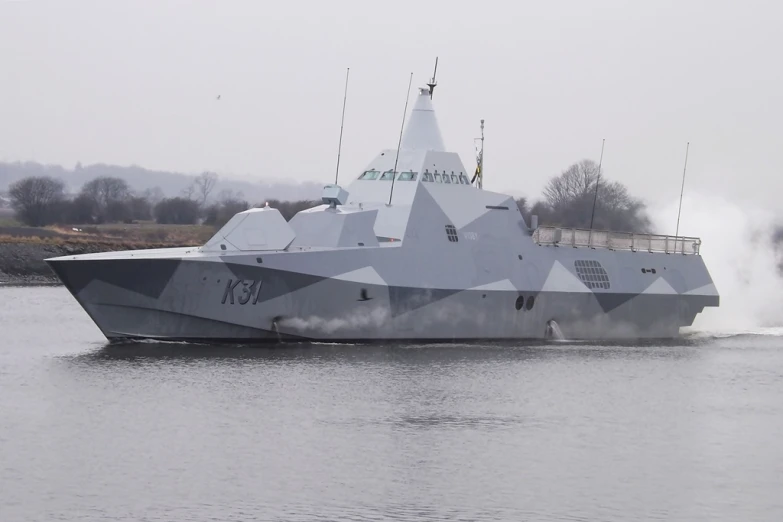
[432, 177]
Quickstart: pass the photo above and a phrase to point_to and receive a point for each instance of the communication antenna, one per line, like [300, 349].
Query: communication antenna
[682, 189]
[597, 182]
[433, 83]
[342, 122]
[478, 176]
[399, 144]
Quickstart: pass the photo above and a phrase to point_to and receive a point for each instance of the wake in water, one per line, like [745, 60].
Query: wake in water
[738, 248]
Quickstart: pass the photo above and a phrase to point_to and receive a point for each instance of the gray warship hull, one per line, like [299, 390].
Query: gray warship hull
[362, 294]
[412, 251]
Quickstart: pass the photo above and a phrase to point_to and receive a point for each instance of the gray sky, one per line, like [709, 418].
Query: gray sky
[135, 82]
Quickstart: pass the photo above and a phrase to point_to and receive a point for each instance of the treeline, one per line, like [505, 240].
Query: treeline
[578, 197]
[170, 183]
[42, 200]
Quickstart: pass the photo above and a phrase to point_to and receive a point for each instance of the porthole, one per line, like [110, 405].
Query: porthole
[530, 302]
[520, 302]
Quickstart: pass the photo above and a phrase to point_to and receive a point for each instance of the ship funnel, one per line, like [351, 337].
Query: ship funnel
[422, 131]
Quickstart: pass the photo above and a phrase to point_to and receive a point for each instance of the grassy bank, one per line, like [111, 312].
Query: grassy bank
[182, 235]
[23, 249]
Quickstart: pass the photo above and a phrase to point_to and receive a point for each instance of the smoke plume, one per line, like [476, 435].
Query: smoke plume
[741, 256]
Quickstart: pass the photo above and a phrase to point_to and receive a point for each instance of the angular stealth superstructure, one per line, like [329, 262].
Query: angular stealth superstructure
[444, 261]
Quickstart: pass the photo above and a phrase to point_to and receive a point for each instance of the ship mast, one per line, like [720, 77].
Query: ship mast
[478, 177]
[433, 83]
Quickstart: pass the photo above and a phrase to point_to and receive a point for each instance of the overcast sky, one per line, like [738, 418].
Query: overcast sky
[136, 81]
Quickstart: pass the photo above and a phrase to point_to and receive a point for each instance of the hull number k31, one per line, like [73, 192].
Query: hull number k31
[242, 291]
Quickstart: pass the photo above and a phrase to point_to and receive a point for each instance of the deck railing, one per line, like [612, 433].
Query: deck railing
[576, 238]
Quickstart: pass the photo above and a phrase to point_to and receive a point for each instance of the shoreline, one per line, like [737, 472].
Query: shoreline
[24, 284]
[22, 263]
[22, 259]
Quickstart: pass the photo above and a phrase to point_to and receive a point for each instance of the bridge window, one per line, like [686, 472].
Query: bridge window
[438, 178]
[454, 179]
[451, 233]
[370, 174]
[592, 273]
[387, 176]
[427, 176]
[446, 178]
[464, 179]
[407, 176]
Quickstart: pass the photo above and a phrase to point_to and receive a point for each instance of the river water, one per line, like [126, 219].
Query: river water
[564, 431]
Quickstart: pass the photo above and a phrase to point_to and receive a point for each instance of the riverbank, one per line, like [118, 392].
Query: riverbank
[23, 249]
[22, 259]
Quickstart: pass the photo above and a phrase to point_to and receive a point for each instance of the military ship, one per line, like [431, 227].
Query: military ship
[414, 248]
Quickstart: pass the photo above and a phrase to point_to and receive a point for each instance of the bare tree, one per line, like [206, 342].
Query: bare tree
[189, 191]
[218, 214]
[154, 195]
[569, 199]
[35, 199]
[178, 211]
[106, 193]
[81, 210]
[229, 195]
[523, 208]
[289, 209]
[140, 208]
[576, 182]
[204, 185]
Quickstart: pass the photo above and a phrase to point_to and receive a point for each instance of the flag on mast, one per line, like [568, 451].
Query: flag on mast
[477, 173]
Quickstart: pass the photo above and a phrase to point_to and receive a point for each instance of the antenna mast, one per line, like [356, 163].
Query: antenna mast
[342, 122]
[682, 189]
[597, 182]
[433, 83]
[399, 144]
[478, 176]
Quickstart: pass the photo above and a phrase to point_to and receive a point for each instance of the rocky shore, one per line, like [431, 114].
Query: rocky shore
[23, 249]
[22, 262]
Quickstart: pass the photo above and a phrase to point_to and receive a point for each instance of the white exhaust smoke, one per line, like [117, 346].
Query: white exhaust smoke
[741, 257]
[373, 318]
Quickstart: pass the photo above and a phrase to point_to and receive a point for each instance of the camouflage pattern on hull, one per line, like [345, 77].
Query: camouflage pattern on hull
[242, 301]
[443, 261]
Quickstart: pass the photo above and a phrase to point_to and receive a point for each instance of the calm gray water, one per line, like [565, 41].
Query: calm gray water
[175, 432]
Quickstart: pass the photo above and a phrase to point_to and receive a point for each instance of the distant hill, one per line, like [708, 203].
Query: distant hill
[171, 183]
